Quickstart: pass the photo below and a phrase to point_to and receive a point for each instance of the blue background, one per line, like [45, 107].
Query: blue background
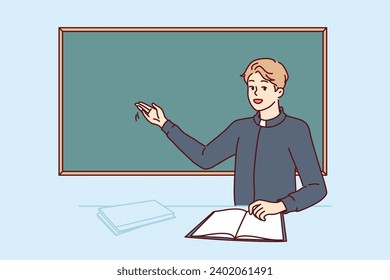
[39, 211]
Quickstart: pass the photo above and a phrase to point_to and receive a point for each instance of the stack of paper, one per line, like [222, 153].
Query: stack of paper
[126, 217]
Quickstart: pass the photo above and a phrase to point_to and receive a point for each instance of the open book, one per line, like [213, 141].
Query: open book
[238, 225]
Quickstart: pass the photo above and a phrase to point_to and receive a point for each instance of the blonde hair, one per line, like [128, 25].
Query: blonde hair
[270, 69]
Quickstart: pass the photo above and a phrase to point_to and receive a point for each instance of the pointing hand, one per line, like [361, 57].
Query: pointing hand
[153, 114]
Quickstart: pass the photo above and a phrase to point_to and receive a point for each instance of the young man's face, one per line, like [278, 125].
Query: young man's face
[261, 93]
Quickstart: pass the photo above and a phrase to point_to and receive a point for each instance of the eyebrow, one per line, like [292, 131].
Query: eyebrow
[260, 81]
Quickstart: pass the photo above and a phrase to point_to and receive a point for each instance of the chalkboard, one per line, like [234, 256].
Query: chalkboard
[193, 74]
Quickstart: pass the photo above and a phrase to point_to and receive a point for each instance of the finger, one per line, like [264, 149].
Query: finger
[144, 105]
[158, 108]
[263, 215]
[145, 115]
[253, 206]
[160, 111]
[258, 210]
[260, 214]
[144, 109]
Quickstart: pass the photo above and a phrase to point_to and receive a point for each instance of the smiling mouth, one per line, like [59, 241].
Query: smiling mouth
[257, 101]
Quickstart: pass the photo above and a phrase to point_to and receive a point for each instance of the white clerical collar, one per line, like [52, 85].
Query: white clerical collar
[263, 123]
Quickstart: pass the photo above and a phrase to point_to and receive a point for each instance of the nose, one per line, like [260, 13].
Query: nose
[255, 91]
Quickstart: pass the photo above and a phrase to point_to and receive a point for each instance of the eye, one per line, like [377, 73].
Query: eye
[251, 88]
[264, 88]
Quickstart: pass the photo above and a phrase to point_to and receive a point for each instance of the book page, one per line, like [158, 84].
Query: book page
[252, 227]
[222, 222]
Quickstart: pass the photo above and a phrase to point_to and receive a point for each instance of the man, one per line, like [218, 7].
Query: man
[268, 147]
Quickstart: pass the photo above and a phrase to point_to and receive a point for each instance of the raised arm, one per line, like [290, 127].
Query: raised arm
[205, 156]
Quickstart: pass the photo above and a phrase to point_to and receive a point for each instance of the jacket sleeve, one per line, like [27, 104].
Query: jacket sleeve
[205, 156]
[313, 185]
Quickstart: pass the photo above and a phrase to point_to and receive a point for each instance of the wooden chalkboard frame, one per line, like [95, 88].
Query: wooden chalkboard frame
[62, 30]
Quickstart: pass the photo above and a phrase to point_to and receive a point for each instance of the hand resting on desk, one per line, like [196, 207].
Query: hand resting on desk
[261, 208]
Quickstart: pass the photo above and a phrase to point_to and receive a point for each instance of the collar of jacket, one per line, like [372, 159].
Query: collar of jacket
[272, 122]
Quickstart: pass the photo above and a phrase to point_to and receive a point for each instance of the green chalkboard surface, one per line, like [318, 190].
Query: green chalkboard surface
[194, 74]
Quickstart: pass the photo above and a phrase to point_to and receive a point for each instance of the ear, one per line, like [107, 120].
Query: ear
[280, 92]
